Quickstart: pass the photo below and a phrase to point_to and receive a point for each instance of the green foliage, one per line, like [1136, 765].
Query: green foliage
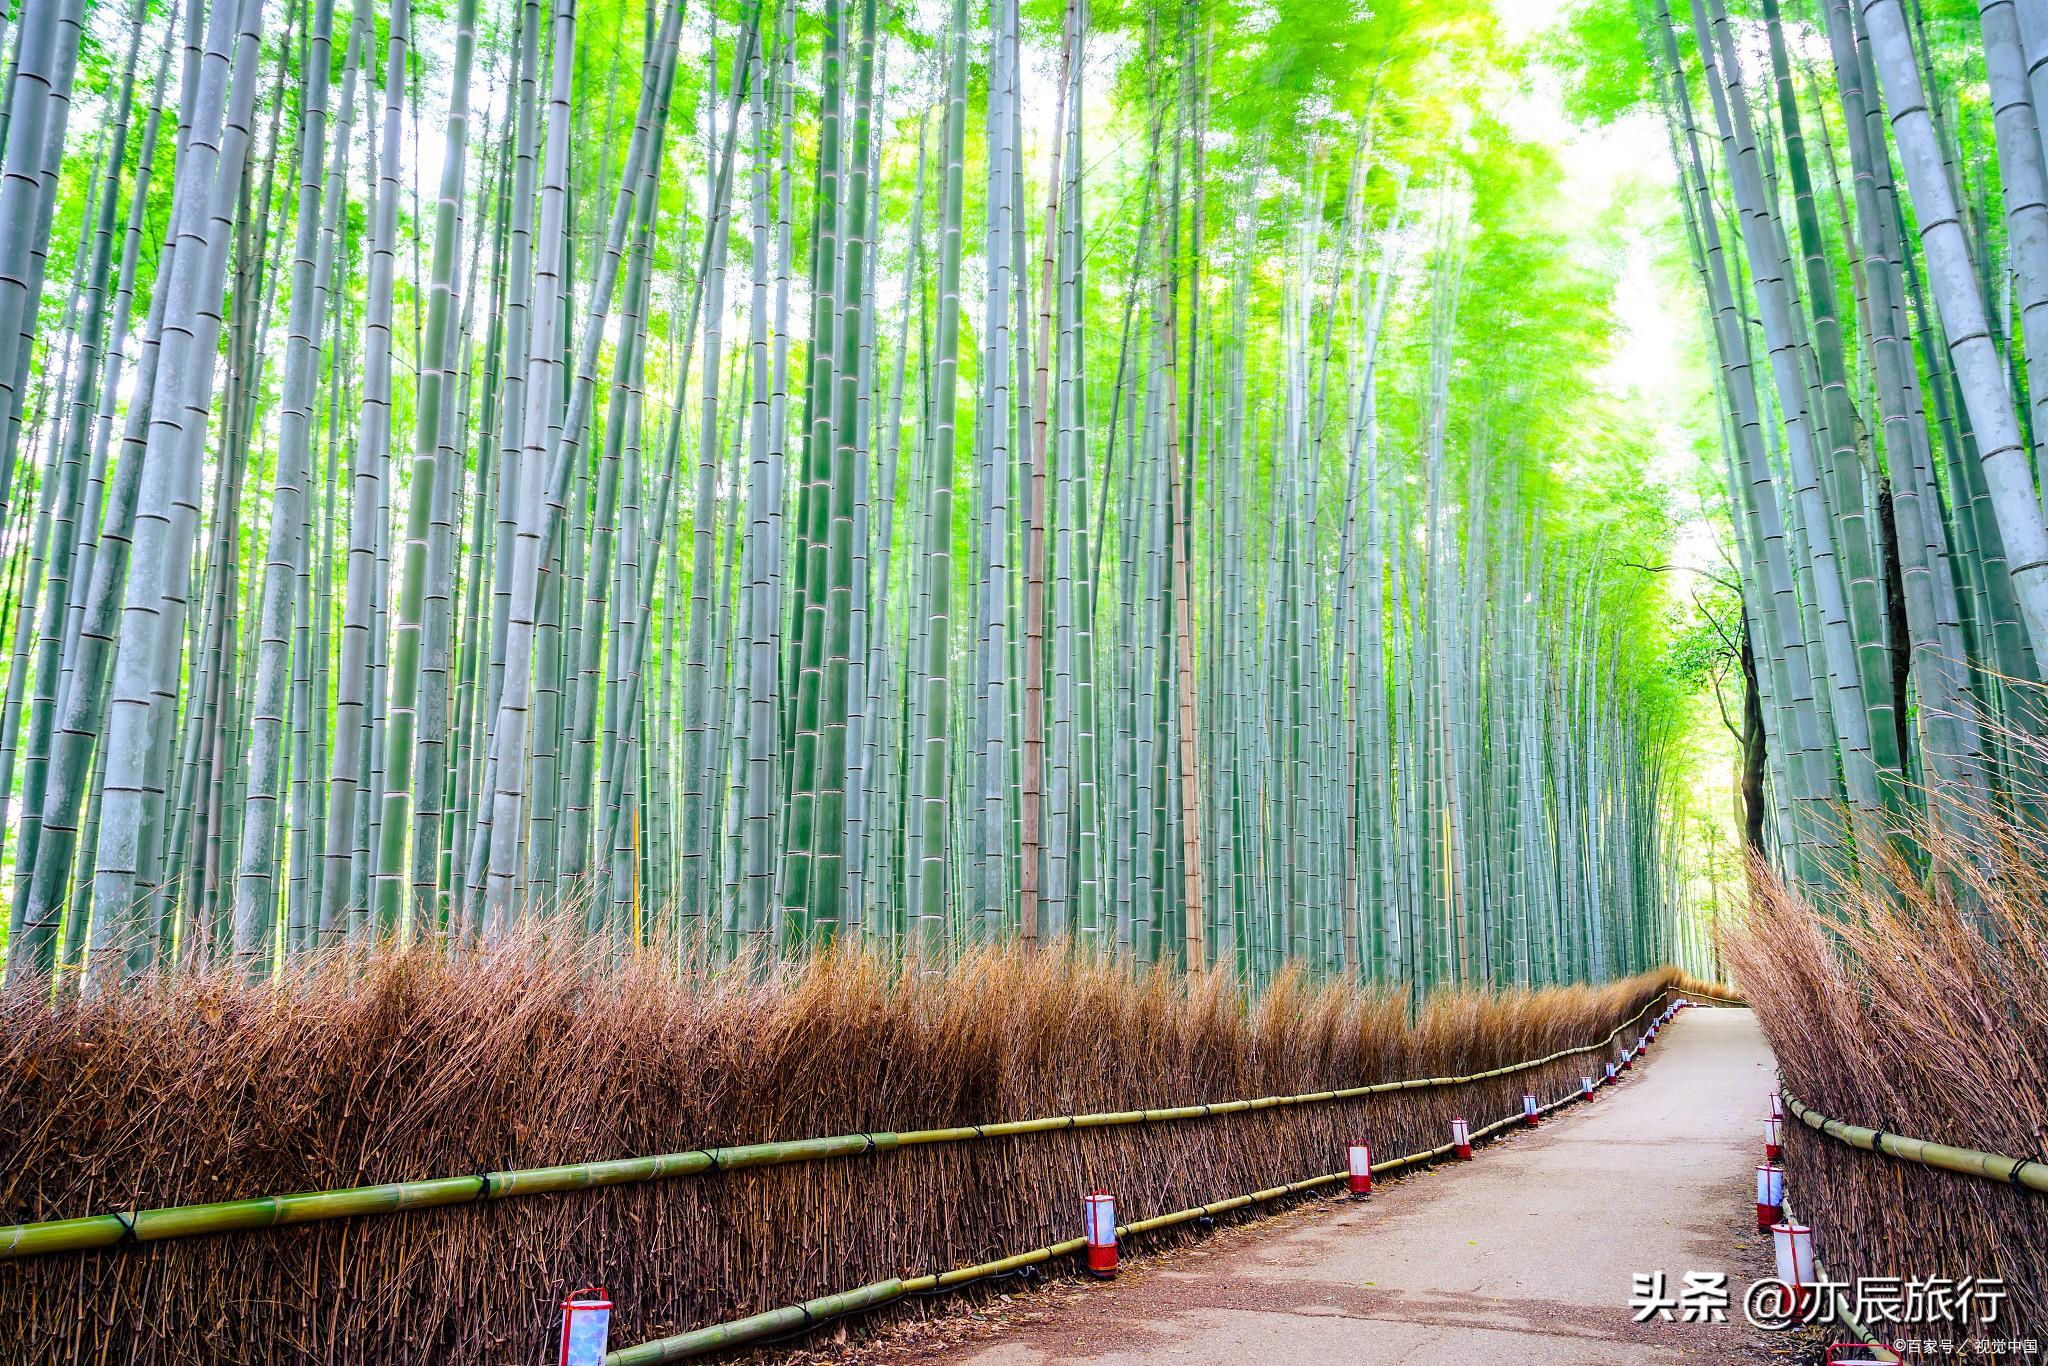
[1599, 47]
[1222, 140]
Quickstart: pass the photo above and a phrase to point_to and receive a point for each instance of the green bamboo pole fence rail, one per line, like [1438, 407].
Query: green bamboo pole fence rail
[794, 1318]
[272, 1211]
[2013, 1171]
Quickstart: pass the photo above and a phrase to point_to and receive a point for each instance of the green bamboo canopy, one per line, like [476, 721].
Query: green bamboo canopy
[733, 477]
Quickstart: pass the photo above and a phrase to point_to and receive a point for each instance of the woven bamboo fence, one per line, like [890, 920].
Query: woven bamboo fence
[423, 1068]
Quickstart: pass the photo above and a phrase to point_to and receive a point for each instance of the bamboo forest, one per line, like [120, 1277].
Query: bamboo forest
[581, 581]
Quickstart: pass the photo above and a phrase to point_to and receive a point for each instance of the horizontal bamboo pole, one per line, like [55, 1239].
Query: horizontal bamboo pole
[2013, 1171]
[271, 1211]
[811, 1313]
[229, 1216]
[738, 1332]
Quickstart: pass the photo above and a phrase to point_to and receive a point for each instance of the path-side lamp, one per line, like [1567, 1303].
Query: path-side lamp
[1610, 1073]
[1529, 1109]
[1361, 1169]
[1777, 1103]
[586, 1324]
[1628, 1059]
[1586, 1085]
[1770, 1194]
[1101, 1232]
[1774, 1148]
[1461, 1139]
[1793, 1246]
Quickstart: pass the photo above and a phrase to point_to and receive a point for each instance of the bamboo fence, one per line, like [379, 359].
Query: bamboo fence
[48, 1236]
[2030, 1172]
[797, 1318]
[480, 1280]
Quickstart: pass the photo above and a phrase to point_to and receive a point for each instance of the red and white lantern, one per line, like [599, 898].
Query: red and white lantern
[1793, 1246]
[1610, 1073]
[1628, 1059]
[1773, 1139]
[586, 1327]
[1777, 1102]
[1529, 1109]
[1770, 1194]
[1101, 1232]
[1461, 1139]
[1586, 1085]
[1361, 1169]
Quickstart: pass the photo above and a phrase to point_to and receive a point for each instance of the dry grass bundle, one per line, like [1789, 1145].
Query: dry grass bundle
[1700, 989]
[1918, 1008]
[416, 1065]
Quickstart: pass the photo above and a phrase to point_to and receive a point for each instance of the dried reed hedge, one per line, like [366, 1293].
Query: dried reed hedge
[416, 1065]
[1705, 992]
[1919, 1008]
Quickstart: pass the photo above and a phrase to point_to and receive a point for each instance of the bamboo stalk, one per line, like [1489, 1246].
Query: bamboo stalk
[2029, 1172]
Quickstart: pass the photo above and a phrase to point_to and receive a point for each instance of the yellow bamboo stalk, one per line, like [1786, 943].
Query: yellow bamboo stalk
[2013, 1171]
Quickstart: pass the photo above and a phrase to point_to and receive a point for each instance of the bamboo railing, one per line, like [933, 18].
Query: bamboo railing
[2029, 1172]
[273, 1211]
[793, 1318]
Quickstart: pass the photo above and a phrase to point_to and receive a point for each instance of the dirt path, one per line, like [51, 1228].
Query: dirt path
[1526, 1255]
